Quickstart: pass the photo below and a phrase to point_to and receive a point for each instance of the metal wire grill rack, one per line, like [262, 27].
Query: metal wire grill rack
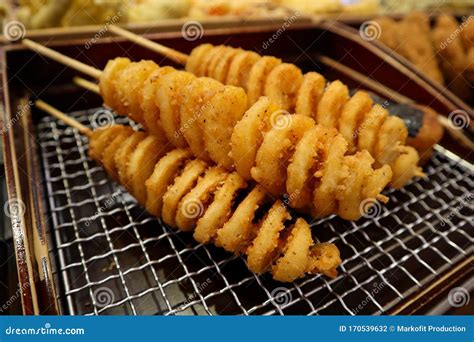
[111, 257]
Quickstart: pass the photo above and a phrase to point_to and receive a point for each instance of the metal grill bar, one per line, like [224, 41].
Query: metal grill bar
[106, 246]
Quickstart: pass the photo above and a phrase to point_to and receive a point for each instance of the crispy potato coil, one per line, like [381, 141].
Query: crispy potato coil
[261, 142]
[219, 207]
[330, 106]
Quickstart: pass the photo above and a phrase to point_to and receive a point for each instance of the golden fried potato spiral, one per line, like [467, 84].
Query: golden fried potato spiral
[261, 143]
[328, 105]
[218, 206]
[290, 154]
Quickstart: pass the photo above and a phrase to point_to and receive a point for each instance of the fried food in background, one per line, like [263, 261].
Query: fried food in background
[201, 9]
[388, 32]
[468, 41]
[37, 14]
[154, 10]
[452, 55]
[469, 72]
[410, 38]
[442, 52]
[327, 7]
[405, 6]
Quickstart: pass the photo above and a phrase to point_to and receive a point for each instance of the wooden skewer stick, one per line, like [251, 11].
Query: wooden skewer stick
[58, 57]
[86, 84]
[170, 53]
[63, 117]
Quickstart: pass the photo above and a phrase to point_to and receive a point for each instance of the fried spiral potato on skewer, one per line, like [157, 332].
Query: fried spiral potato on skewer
[260, 143]
[211, 119]
[204, 115]
[330, 107]
[273, 243]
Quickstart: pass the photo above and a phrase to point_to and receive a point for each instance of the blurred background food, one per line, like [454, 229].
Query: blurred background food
[436, 36]
[441, 48]
[37, 14]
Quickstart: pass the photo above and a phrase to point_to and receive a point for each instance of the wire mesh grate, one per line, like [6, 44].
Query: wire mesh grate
[111, 257]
